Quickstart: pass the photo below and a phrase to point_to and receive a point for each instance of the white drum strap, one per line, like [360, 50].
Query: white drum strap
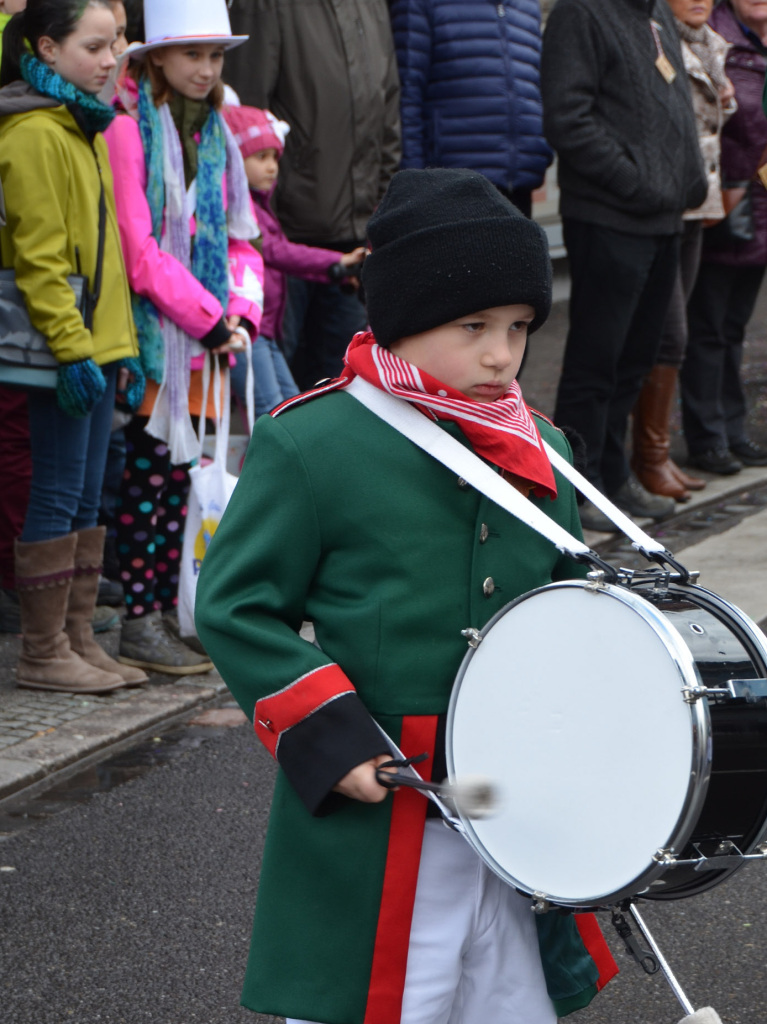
[446, 449]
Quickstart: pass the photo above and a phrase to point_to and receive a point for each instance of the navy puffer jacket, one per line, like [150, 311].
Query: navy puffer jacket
[470, 87]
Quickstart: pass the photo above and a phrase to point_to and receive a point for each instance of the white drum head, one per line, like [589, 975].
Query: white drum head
[571, 704]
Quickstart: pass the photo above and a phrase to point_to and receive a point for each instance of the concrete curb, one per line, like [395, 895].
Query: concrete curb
[717, 489]
[39, 762]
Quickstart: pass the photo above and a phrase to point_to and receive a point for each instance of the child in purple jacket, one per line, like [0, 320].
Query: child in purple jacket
[261, 139]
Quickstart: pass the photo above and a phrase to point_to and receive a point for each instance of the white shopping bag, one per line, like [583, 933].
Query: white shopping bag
[210, 490]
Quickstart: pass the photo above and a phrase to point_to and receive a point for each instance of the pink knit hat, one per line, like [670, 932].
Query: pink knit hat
[255, 129]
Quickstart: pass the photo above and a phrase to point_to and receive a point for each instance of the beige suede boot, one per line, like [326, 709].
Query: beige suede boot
[89, 553]
[44, 571]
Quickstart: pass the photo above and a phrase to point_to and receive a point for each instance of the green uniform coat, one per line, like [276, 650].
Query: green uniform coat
[340, 519]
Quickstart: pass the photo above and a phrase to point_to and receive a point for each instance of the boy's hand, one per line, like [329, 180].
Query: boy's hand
[360, 783]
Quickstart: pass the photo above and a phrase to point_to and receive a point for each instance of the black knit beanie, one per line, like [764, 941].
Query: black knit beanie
[446, 243]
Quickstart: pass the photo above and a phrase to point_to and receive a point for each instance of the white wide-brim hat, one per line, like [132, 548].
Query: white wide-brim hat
[176, 22]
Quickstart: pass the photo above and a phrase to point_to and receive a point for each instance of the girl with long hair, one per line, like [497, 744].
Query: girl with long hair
[61, 221]
[186, 221]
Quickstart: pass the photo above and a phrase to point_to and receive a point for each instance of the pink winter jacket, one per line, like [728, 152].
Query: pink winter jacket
[156, 274]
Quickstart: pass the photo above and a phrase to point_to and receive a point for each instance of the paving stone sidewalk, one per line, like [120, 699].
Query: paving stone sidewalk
[44, 735]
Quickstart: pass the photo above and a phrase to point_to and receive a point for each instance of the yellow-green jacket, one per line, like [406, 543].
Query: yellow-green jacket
[50, 177]
[4, 19]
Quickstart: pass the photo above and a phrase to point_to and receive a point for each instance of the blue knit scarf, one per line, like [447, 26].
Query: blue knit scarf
[209, 262]
[97, 116]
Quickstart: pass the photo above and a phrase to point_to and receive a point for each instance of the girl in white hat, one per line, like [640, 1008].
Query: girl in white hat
[185, 218]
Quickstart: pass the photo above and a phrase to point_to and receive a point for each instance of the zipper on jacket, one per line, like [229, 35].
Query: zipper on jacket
[501, 11]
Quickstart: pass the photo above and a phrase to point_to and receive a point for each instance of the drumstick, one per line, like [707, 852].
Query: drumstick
[408, 776]
[473, 796]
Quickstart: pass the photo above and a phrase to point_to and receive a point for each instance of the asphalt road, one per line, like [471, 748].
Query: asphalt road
[135, 907]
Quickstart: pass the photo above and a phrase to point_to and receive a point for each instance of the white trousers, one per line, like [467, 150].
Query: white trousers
[473, 954]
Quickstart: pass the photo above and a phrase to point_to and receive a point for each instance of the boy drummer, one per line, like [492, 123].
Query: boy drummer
[368, 913]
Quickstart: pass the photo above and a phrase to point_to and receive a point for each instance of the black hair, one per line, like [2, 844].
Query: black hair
[55, 18]
[135, 11]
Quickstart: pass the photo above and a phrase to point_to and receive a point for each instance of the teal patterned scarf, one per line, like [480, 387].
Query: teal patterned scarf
[40, 76]
[209, 261]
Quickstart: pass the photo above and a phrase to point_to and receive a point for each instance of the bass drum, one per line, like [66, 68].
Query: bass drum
[576, 703]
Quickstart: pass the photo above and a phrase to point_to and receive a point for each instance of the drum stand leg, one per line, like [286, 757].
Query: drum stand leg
[676, 988]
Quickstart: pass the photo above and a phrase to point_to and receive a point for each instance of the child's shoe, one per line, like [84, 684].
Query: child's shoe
[146, 643]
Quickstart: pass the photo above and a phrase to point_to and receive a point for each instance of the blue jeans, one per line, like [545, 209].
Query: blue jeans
[68, 460]
[273, 381]
[320, 321]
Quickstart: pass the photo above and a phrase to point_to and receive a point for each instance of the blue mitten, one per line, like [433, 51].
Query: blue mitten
[79, 387]
[134, 389]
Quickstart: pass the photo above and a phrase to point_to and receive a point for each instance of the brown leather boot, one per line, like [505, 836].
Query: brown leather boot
[652, 435]
[89, 553]
[44, 571]
[692, 483]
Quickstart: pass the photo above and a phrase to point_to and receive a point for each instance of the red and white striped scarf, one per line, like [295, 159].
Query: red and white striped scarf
[503, 431]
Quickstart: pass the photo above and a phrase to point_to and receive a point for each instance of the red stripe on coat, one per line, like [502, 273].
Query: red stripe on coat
[307, 396]
[291, 705]
[387, 976]
[598, 949]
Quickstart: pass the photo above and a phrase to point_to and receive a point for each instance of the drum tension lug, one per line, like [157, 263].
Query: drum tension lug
[473, 636]
[693, 693]
[541, 905]
[643, 957]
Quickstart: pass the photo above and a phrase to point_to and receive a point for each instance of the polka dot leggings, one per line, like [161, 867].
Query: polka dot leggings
[151, 512]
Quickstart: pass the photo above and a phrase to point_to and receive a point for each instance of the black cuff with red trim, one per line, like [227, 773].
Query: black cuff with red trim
[319, 750]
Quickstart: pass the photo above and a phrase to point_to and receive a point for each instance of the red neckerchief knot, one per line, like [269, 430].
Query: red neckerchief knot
[503, 432]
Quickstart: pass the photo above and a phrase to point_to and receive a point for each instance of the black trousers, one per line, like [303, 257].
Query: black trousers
[620, 289]
[713, 401]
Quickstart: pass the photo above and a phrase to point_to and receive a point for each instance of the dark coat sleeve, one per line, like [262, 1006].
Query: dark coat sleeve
[573, 67]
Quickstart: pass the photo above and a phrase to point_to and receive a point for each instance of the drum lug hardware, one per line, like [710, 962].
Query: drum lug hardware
[693, 693]
[665, 857]
[666, 558]
[726, 855]
[596, 580]
[750, 690]
[643, 957]
[726, 846]
[473, 636]
[541, 904]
